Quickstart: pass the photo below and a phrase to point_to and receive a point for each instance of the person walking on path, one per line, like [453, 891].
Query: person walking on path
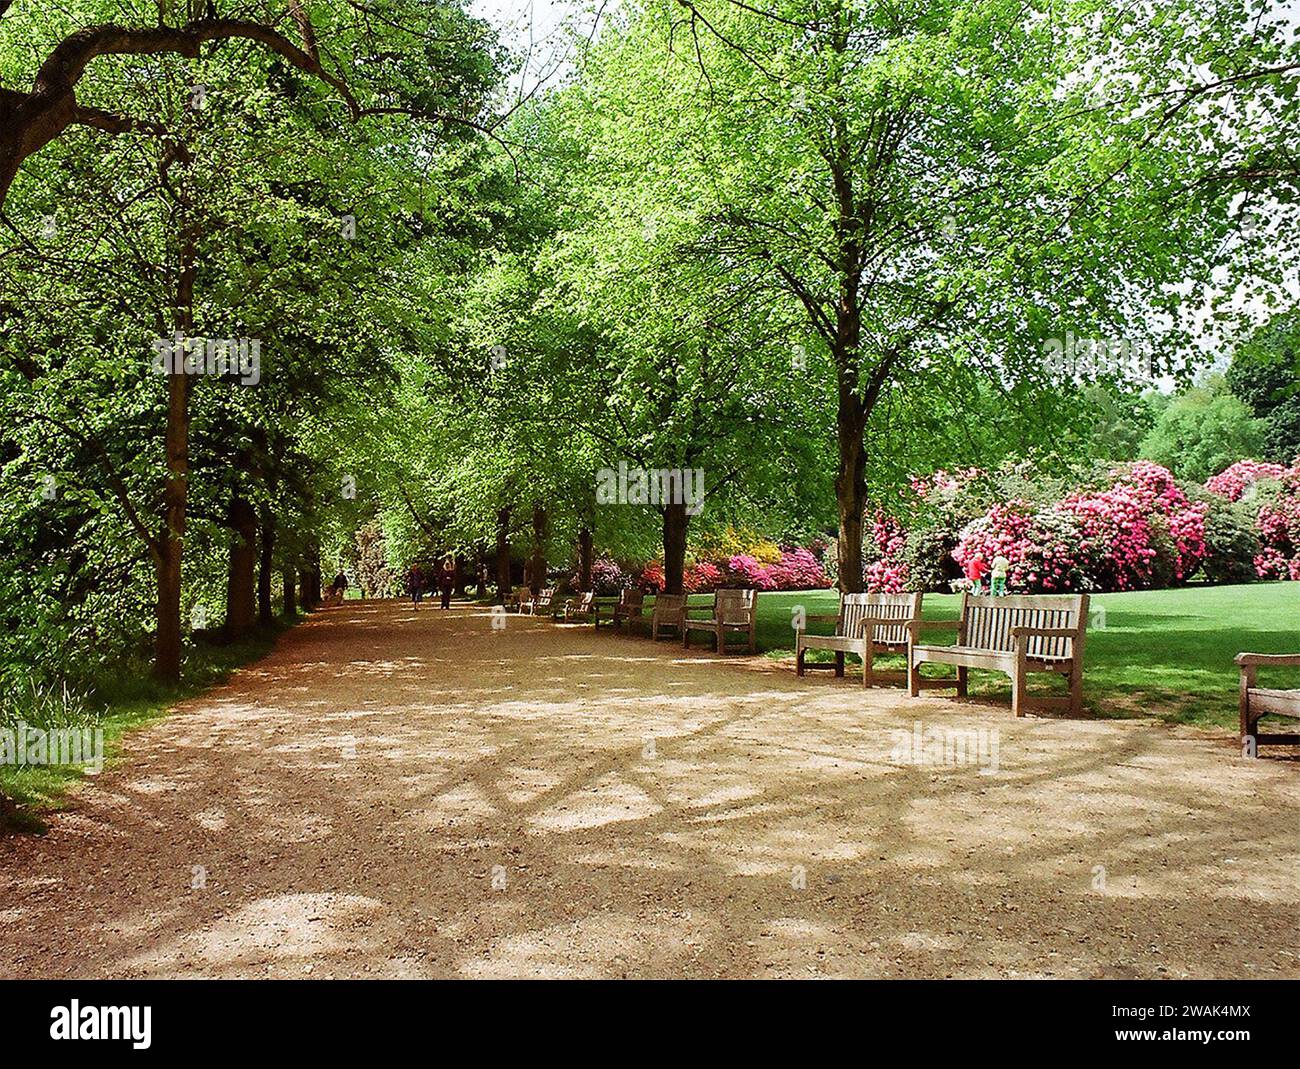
[447, 581]
[415, 585]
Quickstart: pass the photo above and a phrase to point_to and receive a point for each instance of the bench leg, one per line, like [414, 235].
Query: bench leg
[913, 675]
[722, 642]
[1019, 694]
[1076, 690]
[963, 679]
[798, 658]
[868, 656]
[839, 665]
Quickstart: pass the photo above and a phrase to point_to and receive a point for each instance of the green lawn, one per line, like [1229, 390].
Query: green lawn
[119, 703]
[1165, 653]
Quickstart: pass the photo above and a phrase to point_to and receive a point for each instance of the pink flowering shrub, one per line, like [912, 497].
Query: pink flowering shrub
[607, 578]
[1278, 520]
[1045, 547]
[702, 577]
[651, 580]
[745, 571]
[1143, 530]
[888, 573]
[798, 569]
[1136, 529]
[1233, 482]
[795, 569]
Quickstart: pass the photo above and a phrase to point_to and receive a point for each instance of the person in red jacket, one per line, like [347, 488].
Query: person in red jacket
[976, 569]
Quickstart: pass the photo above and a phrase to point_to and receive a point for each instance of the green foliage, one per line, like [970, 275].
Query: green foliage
[1265, 375]
[1200, 431]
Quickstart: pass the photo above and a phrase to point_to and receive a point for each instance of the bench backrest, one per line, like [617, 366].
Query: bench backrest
[631, 598]
[669, 606]
[986, 622]
[735, 606]
[854, 608]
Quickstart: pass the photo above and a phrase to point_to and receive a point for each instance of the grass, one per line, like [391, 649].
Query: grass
[1162, 653]
[120, 702]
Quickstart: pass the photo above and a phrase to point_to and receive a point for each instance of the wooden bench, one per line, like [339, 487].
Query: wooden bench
[627, 608]
[1014, 634]
[732, 611]
[865, 624]
[583, 605]
[668, 612]
[516, 599]
[540, 605]
[1258, 701]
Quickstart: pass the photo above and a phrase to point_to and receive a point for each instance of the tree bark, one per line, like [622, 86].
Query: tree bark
[240, 577]
[309, 576]
[265, 566]
[676, 521]
[503, 555]
[167, 556]
[851, 490]
[288, 576]
[584, 558]
[539, 548]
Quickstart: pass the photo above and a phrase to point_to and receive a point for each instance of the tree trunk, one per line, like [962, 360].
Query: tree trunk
[851, 490]
[675, 523]
[480, 574]
[288, 576]
[309, 576]
[503, 555]
[167, 561]
[265, 566]
[240, 578]
[584, 558]
[539, 549]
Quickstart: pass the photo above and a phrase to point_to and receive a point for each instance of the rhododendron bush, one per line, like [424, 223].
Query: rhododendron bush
[1276, 490]
[1119, 527]
[794, 569]
[1123, 527]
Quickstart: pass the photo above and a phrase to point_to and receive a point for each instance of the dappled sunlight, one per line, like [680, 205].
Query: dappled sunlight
[545, 804]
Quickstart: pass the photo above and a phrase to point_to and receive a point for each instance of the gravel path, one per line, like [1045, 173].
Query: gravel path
[400, 794]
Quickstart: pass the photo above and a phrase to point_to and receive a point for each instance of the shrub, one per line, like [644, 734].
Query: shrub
[607, 578]
[1237, 481]
[1231, 542]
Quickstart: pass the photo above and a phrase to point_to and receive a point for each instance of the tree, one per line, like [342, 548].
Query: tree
[1201, 431]
[1265, 375]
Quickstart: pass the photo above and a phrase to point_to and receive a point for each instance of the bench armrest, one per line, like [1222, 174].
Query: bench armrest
[1244, 660]
[932, 625]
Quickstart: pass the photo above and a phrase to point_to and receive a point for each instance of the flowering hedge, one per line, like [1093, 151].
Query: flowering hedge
[1122, 527]
[1276, 491]
[794, 569]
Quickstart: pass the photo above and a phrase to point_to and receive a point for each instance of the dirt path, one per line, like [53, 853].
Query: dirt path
[393, 794]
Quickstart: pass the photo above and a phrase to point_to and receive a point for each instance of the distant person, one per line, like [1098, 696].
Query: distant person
[1001, 566]
[340, 585]
[447, 581]
[415, 585]
[976, 568]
